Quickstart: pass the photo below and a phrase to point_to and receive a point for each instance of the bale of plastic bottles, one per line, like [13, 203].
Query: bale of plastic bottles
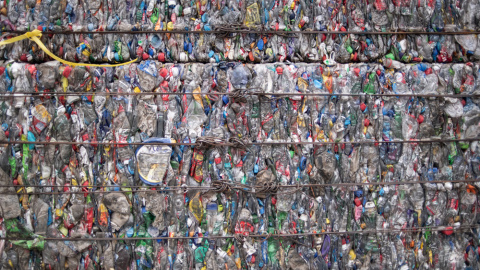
[239, 166]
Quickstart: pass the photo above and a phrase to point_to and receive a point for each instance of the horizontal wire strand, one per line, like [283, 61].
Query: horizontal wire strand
[250, 31]
[245, 188]
[418, 229]
[171, 188]
[232, 93]
[215, 144]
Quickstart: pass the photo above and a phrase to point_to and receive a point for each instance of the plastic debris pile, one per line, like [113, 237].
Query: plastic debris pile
[380, 15]
[232, 166]
[249, 48]
[291, 21]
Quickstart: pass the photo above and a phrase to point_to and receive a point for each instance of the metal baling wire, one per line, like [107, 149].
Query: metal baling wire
[224, 187]
[223, 143]
[417, 229]
[245, 92]
[246, 30]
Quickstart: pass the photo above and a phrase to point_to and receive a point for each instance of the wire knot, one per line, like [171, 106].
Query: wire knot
[208, 141]
[237, 142]
[220, 186]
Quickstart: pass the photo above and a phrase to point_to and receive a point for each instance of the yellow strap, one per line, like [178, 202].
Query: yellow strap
[36, 34]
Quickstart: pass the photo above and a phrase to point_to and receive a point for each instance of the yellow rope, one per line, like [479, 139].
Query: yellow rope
[35, 36]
